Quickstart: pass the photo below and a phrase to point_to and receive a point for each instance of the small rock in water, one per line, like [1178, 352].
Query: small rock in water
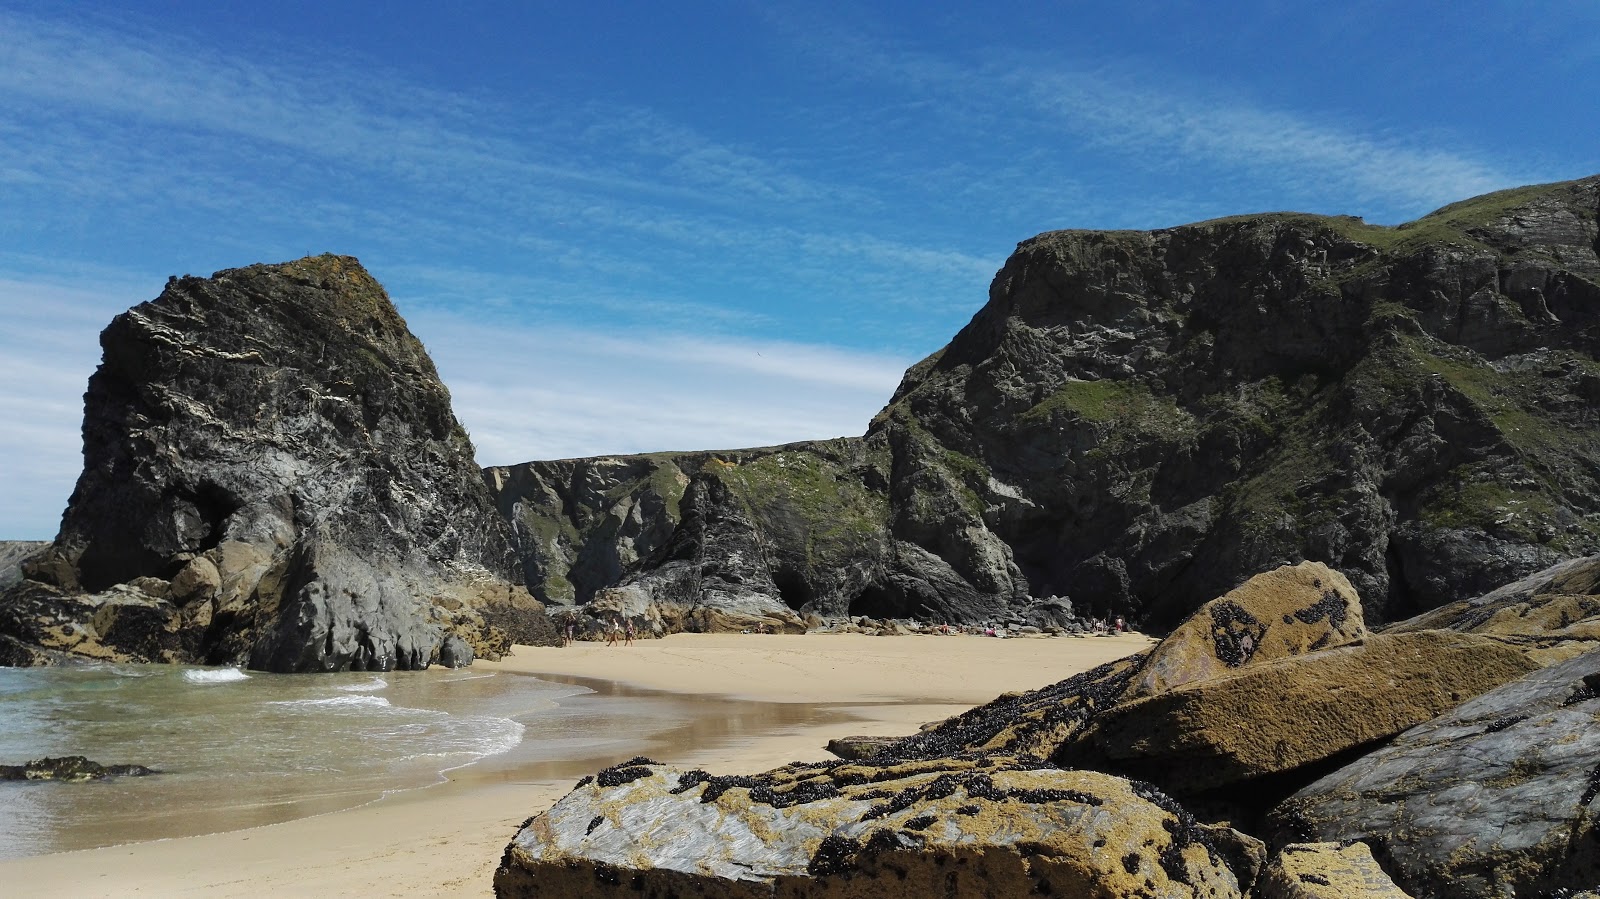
[70, 768]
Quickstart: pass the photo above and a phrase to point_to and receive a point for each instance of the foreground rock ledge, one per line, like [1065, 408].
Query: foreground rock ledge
[950, 829]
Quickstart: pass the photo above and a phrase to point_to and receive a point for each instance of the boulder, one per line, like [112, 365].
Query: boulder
[951, 829]
[1274, 615]
[859, 747]
[1287, 714]
[1494, 799]
[1281, 613]
[273, 477]
[454, 652]
[1326, 871]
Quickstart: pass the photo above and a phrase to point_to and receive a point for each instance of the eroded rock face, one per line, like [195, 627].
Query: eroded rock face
[1141, 420]
[273, 476]
[1494, 799]
[951, 829]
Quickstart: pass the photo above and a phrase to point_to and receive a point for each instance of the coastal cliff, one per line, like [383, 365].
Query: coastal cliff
[272, 476]
[1140, 420]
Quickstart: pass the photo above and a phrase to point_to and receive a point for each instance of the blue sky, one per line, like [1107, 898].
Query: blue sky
[623, 227]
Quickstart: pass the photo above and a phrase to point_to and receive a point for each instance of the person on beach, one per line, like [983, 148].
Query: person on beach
[628, 633]
[612, 632]
[570, 635]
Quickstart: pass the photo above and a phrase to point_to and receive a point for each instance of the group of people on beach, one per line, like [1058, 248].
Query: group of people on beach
[616, 628]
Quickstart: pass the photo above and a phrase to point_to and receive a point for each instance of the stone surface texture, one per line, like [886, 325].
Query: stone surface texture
[1553, 614]
[1495, 799]
[273, 476]
[1326, 871]
[949, 830]
[1287, 714]
[1139, 420]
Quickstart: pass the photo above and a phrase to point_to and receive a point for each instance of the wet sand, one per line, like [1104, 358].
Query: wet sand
[748, 703]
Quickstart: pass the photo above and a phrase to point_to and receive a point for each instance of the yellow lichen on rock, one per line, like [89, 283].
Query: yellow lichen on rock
[1286, 612]
[1326, 871]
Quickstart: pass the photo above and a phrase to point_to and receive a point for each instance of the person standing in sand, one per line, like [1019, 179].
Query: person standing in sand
[627, 633]
[612, 632]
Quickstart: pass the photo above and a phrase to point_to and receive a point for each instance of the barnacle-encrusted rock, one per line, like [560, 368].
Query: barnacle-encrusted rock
[955, 829]
[1286, 714]
[272, 476]
[1326, 871]
[1495, 799]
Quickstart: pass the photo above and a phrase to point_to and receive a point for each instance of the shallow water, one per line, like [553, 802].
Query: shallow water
[244, 749]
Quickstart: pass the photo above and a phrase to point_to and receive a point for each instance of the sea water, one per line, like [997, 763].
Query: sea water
[240, 749]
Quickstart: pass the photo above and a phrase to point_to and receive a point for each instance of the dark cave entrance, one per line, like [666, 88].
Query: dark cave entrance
[878, 602]
[793, 588]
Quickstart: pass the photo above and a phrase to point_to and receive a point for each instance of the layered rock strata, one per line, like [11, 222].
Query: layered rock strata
[272, 477]
[1140, 420]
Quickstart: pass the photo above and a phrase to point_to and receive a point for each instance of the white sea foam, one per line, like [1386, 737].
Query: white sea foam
[214, 675]
[371, 686]
[336, 702]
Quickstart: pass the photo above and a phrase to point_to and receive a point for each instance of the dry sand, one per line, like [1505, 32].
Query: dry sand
[446, 840]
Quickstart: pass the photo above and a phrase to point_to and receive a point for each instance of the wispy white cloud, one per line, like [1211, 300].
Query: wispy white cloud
[527, 393]
[1157, 124]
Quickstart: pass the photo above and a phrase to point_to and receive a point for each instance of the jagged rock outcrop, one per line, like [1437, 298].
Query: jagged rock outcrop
[12, 554]
[728, 540]
[949, 829]
[273, 477]
[1141, 420]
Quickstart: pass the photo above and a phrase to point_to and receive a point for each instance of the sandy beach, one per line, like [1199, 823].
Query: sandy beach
[793, 693]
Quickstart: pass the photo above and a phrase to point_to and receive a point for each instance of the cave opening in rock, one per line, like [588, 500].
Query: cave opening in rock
[877, 602]
[793, 588]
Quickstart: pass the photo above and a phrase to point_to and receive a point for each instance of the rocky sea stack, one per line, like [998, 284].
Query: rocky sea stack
[1138, 421]
[272, 476]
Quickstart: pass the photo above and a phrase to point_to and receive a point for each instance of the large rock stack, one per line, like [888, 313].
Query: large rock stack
[272, 477]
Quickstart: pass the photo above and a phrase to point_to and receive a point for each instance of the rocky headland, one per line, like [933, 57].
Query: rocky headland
[1138, 421]
[273, 477]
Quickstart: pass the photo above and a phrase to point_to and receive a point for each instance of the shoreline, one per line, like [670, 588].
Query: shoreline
[780, 698]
